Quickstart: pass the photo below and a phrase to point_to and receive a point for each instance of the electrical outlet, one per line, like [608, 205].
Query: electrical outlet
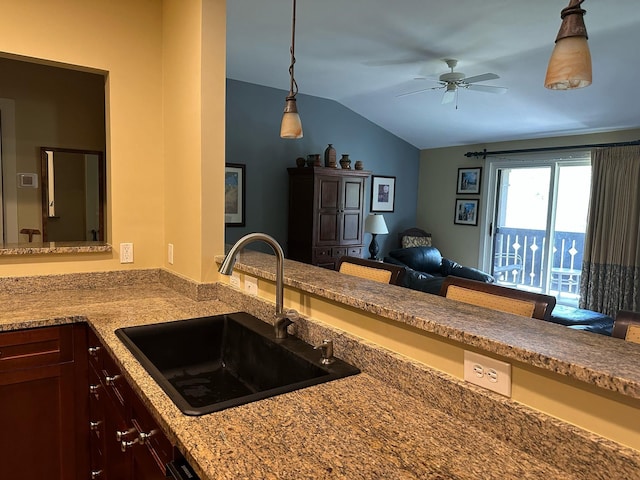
[234, 280]
[170, 254]
[126, 253]
[251, 285]
[487, 372]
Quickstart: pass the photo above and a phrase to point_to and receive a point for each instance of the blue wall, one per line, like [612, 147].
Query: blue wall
[253, 115]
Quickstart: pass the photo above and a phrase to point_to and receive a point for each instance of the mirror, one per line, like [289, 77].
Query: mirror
[72, 195]
[60, 110]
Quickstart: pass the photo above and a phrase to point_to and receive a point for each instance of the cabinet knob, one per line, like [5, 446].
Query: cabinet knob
[125, 445]
[121, 434]
[94, 389]
[144, 437]
[93, 351]
[96, 474]
[111, 379]
[94, 425]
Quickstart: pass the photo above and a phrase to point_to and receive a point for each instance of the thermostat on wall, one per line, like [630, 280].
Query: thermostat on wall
[28, 180]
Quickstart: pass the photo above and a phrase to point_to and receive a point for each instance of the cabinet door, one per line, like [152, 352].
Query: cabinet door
[328, 214]
[117, 429]
[352, 198]
[37, 437]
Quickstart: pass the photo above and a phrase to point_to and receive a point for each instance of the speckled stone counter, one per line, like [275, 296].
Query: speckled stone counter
[598, 360]
[50, 248]
[396, 420]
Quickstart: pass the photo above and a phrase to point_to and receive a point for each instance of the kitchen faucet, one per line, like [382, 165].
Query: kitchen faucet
[283, 320]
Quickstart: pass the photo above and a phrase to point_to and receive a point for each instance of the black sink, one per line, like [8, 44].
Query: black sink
[211, 363]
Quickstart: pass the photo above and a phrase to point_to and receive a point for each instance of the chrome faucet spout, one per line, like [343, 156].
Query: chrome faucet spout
[226, 268]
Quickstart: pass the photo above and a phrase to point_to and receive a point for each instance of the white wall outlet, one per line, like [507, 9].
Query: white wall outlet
[170, 254]
[126, 253]
[487, 372]
[251, 285]
[234, 280]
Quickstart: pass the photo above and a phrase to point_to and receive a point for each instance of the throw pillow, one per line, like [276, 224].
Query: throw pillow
[416, 242]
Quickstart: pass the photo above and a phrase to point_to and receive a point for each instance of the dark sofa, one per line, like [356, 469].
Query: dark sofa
[426, 268]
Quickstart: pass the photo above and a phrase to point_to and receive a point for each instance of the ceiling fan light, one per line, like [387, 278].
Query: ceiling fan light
[570, 63]
[291, 126]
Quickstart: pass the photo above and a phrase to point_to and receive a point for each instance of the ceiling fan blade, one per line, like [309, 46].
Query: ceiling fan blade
[449, 96]
[487, 88]
[418, 91]
[481, 78]
[386, 63]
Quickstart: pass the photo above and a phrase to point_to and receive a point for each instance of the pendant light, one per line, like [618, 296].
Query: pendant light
[570, 63]
[291, 126]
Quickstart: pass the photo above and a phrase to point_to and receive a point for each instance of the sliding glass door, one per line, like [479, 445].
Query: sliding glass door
[537, 221]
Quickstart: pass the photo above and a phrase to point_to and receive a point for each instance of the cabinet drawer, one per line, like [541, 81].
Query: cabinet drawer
[114, 383]
[321, 253]
[355, 251]
[338, 252]
[36, 347]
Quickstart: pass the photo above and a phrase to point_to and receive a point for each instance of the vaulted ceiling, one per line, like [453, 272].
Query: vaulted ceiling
[365, 54]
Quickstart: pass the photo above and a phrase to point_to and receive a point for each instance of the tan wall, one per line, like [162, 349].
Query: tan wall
[437, 189]
[125, 39]
[194, 78]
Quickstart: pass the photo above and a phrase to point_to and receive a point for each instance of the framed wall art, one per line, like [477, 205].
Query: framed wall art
[383, 193]
[469, 180]
[234, 194]
[466, 212]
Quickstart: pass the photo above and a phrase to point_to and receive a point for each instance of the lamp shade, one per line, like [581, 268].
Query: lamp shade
[375, 224]
[291, 126]
[570, 63]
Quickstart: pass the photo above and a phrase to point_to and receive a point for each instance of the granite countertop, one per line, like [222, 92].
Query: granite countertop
[354, 428]
[48, 248]
[611, 364]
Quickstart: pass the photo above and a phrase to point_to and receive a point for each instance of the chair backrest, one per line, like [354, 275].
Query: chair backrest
[627, 326]
[497, 297]
[371, 269]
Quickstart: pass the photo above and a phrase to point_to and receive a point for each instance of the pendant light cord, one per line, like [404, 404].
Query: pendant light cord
[293, 88]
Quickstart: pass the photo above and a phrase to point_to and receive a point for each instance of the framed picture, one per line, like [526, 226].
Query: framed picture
[234, 194]
[469, 180]
[466, 211]
[383, 193]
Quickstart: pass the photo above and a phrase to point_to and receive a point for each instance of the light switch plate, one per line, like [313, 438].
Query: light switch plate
[234, 280]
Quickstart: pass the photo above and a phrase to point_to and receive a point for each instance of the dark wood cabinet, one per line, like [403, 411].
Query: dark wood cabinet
[326, 210]
[126, 443]
[42, 403]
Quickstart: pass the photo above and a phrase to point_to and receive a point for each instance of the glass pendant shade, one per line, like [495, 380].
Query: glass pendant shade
[291, 126]
[570, 64]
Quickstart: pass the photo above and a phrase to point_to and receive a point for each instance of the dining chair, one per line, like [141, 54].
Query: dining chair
[497, 297]
[371, 269]
[627, 325]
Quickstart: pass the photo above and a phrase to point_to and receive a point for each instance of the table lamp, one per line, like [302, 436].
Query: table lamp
[375, 225]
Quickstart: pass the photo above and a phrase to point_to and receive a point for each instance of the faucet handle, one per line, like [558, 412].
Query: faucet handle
[283, 320]
[326, 351]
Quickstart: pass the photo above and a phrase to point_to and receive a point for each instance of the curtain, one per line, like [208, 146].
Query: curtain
[611, 265]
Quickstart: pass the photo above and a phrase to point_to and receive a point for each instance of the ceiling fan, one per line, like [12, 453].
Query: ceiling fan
[452, 81]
